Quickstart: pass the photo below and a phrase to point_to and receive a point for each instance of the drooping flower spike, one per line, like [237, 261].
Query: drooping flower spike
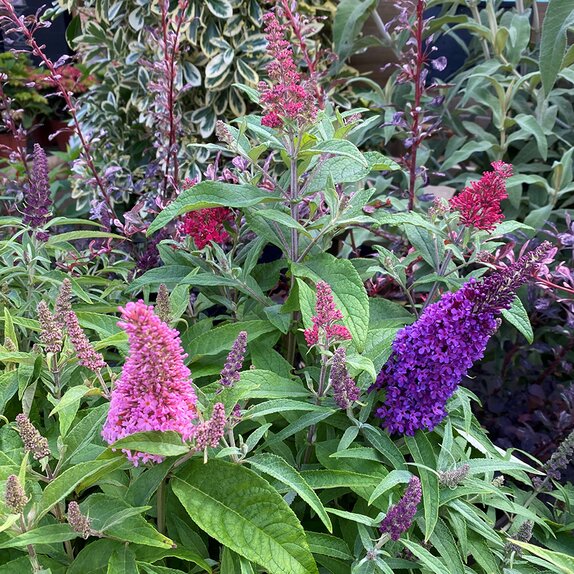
[431, 356]
[234, 362]
[154, 391]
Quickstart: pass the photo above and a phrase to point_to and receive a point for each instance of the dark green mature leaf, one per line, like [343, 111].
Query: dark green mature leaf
[60, 487]
[94, 557]
[392, 479]
[210, 194]
[42, 535]
[347, 25]
[241, 510]
[281, 470]
[443, 540]
[383, 443]
[559, 17]
[517, 316]
[221, 338]
[421, 449]
[117, 519]
[168, 443]
[433, 563]
[74, 235]
[268, 385]
[564, 562]
[339, 170]
[328, 545]
[283, 405]
[122, 561]
[338, 479]
[342, 148]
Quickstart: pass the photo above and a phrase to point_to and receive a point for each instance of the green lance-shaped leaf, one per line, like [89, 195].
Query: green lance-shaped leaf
[210, 194]
[243, 511]
[517, 316]
[421, 449]
[60, 487]
[563, 562]
[167, 443]
[559, 17]
[281, 470]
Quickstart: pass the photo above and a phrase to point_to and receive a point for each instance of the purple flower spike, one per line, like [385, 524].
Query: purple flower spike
[234, 363]
[37, 200]
[430, 357]
[345, 390]
[154, 391]
[400, 516]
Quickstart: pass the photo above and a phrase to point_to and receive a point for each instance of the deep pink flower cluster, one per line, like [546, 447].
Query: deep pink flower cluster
[479, 204]
[206, 225]
[325, 328]
[431, 356]
[289, 97]
[154, 391]
[400, 516]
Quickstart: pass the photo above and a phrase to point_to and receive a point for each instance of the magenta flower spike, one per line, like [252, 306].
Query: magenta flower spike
[154, 391]
[325, 329]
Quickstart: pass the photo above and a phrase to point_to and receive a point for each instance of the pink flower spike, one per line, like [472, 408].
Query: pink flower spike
[479, 204]
[289, 97]
[154, 391]
[325, 329]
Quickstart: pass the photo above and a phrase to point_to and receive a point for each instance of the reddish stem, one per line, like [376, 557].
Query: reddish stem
[296, 28]
[416, 111]
[37, 50]
[170, 50]
[554, 285]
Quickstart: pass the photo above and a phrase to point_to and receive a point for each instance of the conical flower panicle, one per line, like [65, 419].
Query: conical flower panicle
[231, 372]
[51, 334]
[154, 391]
[345, 390]
[326, 330]
[289, 97]
[479, 204]
[400, 516]
[210, 432]
[15, 496]
[33, 441]
[37, 200]
[431, 356]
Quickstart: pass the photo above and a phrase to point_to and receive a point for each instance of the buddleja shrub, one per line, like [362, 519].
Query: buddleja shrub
[323, 430]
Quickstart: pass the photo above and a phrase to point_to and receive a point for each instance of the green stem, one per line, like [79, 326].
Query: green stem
[36, 567]
[311, 434]
[293, 193]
